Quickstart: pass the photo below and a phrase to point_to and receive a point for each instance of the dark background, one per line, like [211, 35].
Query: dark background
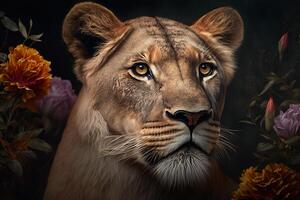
[265, 22]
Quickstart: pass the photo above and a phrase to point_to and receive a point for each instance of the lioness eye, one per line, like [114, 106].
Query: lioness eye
[141, 69]
[206, 69]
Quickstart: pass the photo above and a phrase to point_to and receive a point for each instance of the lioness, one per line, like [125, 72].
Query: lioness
[146, 124]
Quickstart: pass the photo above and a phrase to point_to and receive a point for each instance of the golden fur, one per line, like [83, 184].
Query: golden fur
[122, 140]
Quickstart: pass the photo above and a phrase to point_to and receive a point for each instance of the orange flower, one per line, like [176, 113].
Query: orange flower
[26, 74]
[274, 182]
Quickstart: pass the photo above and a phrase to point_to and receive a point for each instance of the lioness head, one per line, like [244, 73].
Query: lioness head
[155, 87]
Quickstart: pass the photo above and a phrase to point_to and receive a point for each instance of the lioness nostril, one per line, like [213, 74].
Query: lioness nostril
[191, 119]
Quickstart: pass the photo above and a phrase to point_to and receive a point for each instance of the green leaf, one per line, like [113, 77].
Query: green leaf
[273, 76]
[3, 57]
[267, 87]
[293, 140]
[22, 29]
[257, 118]
[252, 103]
[2, 13]
[247, 122]
[262, 147]
[36, 132]
[285, 76]
[284, 88]
[40, 145]
[266, 137]
[36, 38]
[29, 154]
[261, 123]
[285, 104]
[9, 24]
[16, 167]
[30, 24]
[33, 133]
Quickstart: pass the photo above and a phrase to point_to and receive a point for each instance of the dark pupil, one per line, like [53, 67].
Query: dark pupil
[142, 67]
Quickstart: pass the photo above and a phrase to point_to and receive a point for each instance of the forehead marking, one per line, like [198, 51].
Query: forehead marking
[169, 43]
[163, 39]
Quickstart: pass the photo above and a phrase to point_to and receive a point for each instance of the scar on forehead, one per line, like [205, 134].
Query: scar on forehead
[155, 55]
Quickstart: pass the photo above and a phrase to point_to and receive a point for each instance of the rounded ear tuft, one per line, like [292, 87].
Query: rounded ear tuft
[86, 27]
[225, 24]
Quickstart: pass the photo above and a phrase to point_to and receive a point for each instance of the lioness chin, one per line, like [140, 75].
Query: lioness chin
[146, 124]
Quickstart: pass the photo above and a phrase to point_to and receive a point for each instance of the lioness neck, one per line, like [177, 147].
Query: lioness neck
[79, 171]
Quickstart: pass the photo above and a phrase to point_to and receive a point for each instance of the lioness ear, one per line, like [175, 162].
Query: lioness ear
[224, 24]
[86, 27]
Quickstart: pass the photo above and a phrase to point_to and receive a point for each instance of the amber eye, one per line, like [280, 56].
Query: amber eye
[206, 69]
[141, 69]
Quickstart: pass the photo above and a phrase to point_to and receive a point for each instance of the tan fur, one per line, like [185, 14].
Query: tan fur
[120, 142]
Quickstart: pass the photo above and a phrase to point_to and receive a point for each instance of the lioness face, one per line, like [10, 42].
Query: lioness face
[159, 86]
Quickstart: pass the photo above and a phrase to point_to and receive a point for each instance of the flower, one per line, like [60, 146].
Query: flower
[287, 124]
[26, 74]
[282, 44]
[59, 102]
[274, 182]
[269, 114]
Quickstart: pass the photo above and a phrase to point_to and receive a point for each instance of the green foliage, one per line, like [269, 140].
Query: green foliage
[16, 167]
[40, 145]
[3, 57]
[19, 135]
[22, 29]
[21, 130]
[26, 33]
[10, 25]
[281, 88]
[272, 148]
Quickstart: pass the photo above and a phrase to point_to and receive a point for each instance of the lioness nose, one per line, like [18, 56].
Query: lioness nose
[191, 119]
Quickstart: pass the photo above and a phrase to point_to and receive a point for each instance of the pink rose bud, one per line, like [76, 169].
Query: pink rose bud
[282, 45]
[269, 114]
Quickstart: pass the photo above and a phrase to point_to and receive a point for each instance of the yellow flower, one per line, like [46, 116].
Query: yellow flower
[26, 74]
[274, 182]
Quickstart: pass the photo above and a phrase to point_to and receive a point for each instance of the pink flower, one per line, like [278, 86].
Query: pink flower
[282, 45]
[57, 105]
[287, 124]
[269, 114]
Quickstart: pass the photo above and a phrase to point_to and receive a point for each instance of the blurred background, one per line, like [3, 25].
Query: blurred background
[265, 22]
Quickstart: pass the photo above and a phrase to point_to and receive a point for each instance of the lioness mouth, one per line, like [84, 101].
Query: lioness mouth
[186, 147]
[183, 149]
